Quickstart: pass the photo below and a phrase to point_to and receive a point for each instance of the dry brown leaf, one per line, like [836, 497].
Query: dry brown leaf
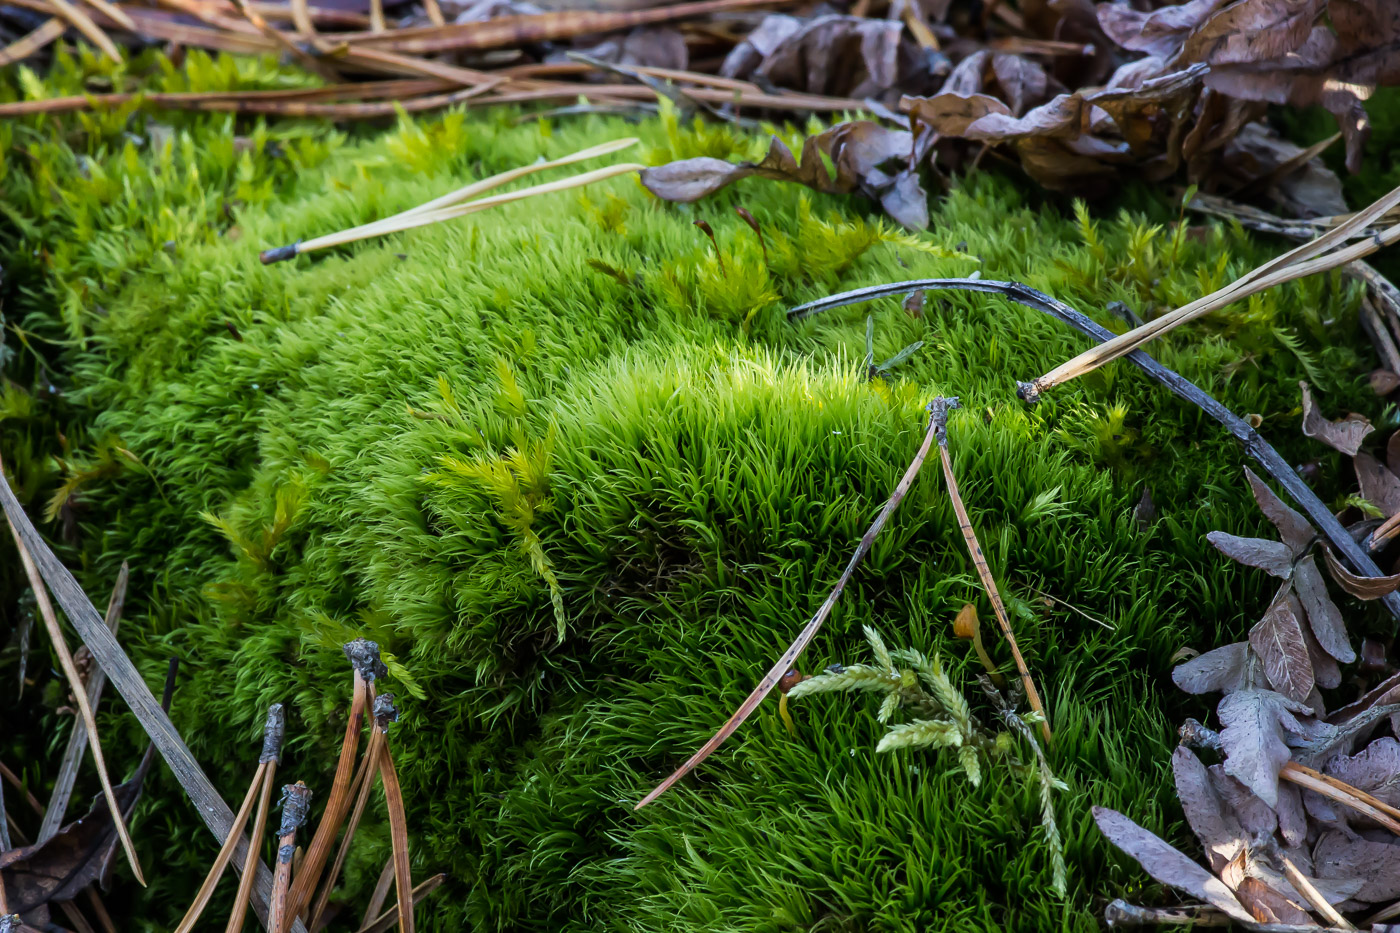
[1255, 816]
[1344, 856]
[1216, 826]
[1379, 486]
[1365, 588]
[843, 56]
[1269, 906]
[1220, 670]
[1278, 641]
[1323, 615]
[1375, 770]
[1166, 864]
[1252, 31]
[1161, 32]
[1295, 530]
[1345, 435]
[1257, 722]
[950, 113]
[1273, 557]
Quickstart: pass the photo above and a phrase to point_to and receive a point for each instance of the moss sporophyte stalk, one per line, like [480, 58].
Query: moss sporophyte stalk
[568, 462]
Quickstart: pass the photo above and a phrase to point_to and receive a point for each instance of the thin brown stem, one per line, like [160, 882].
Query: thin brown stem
[360, 788]
[79, 689]
[386, 919]
[272, 730]
[380, 894]
[77, 738]
[789, 657]
[267, 766]
[296, 804]
[940, 407]
[384, 714]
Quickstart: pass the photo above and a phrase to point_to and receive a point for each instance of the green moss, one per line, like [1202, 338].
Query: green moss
[415, 438]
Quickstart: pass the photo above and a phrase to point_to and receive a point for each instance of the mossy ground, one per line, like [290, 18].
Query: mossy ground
[696, 471]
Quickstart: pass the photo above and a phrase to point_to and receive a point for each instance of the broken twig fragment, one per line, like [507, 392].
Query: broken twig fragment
[940, 408]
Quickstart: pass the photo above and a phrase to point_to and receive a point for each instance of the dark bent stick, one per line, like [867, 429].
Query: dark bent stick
[127, 681]
[1254, 444]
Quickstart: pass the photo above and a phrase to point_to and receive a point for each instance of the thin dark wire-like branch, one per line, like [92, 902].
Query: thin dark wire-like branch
[794, 651]
[1273, 463]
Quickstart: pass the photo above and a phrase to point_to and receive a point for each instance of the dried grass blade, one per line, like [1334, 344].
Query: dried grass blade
[799, 644]
[27, 45]
[274, 728]
[514, 31]
[360, 788]
[79, 689]
[84, 24]
[1343, 793]
[77, 738]
[380, 894]
[115, 13]
[940, 407]
[398, 819]
[17, 784]
[386, 919]
[400, 224]
[245, 883]
[1315, 899]
[1312, 257]
[296, 804]
[376, 15]
[240, 819]
[336, 804]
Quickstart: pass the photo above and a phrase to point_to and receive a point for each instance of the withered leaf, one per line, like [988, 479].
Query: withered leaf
[1217, 828]
[1158, 33]
[1255, 816]
[1292, 819]
[950, 113]
[1273, 557]
[1220, 670]
[1022, 81]
[1166, 864]
[59, 869]
[1345, 435]
[1375, 769]
[1360, 587]
[1339, 855]
[1278, 640]
[1379, 486]
[1383, 694]
[1295, 530]
[1256, 723]
[1326, 673]
[1323, 615]
[847, 56]
[1269, 906]
[1252, 31]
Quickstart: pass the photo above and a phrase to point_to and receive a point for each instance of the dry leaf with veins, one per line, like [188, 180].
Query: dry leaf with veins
[1279, 641]
[1345, 435]
[1258, 725]
[1213, 822]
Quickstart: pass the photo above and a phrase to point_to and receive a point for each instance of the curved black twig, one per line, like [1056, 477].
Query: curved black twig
[1255, 445]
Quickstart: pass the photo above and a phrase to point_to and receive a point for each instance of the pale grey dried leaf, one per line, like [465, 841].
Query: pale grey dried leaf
[1326, 673]
[1343, 856]
[1278, 640]
[1220, 670]
[1269, 906]
[1158, 33]
[1256, 723]
[1166, 864]
[1292, 819]
[1291, 525]
[1273, 557]
[1252, 31]
[1345, 435]
[759, 44]
[1375, 770]
[951, 113]
[1384, 693]
[1323, 615]
[1255, 816]
[1023, 83]
[1379, 486]
[1217, 828]
[1365, 588]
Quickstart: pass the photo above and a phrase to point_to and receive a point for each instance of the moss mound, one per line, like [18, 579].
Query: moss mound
[396, 439]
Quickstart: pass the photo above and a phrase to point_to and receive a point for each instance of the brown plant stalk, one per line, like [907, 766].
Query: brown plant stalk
[940, 408]
[789, 657]
[296, 805]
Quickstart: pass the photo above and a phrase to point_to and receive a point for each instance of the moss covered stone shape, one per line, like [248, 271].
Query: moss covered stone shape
[399, 440]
